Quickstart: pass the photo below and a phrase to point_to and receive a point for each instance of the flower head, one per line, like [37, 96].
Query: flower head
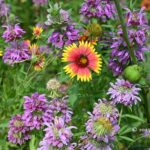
[145, 4]
[59, 108]
[1, 53]
[101, 128]
[16, 53]
[18, 133]
[37, 31]
[82, 59]
[53, 84]
[124, 92]
[57, 135]
[12, 32]
[34, 109]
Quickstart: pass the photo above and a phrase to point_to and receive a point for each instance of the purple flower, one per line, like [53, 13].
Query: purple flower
[69, 35]
[102, 9]
[34, 109]
[16, 53]
[4, 9]
[136, 17]
[12, 32]
[124, 92]
[91, 144]
[59, 108]
[40, 2]
[106, 109]
[18, 133]
[101, 128]
[57, 135]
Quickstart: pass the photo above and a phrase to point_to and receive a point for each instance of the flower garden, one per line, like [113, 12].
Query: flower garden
[75, 75]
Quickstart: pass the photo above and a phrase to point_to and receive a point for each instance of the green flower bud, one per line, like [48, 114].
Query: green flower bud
[132, 73]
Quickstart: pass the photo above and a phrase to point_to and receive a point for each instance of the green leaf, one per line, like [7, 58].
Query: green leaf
[132, 117]
[32, 143]
[126, 138]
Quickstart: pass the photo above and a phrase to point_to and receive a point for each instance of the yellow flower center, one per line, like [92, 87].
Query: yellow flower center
[82, 61]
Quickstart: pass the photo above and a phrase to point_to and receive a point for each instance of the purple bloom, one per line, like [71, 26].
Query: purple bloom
[69, 36]
[135, 17]
[4, 9]
[16, 53]
[91, 144]
[57, 135]
[18, 133]
[40, 2]
[106, 109]
[98, 8]
[34, 109]
[12, 32]
[124, 92]
[59, 108]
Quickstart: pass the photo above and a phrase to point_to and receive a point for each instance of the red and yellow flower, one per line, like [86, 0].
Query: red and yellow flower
[81, 58]
[37, 31]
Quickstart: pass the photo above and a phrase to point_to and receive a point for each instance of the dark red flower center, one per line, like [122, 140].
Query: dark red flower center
[82, 61]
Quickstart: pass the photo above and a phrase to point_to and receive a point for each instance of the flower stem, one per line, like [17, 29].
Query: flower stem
[125, 33]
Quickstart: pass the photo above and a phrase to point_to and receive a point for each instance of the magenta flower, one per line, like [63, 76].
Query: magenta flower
[59, 108]
[12, 32]
[16, 53]
[57, 135]
[18, 133]
[34, 109]
[4, 8]
[124, 92]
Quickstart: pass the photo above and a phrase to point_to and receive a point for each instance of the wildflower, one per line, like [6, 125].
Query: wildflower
[18, 133]
[124, 92]
[82, 59]
[4, 8]
[57, 135]
[59, 108]
[1, 53]
[101, 128]
[136, 17]
[91, 144]
[17, 52]
[39, 64]
[98, 8]
[40, 2]
[57, 16]
[145, 4]
[12, 32]
[53, 84]
[34, 49]
[106, 109]
[67, 37]
[34, 109]
[37, 31]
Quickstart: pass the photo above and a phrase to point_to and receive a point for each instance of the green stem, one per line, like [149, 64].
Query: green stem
[125, 33]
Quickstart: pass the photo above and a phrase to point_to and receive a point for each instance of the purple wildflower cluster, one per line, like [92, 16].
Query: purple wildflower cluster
[137, 32]
[58, 107]
[102, 9]
[4, 9]
[39, 113]
[40, 2]
[124, 92]
[12, 32]
[57, 135]
[16, 52]
[69, 35]
[101, 127]
[18, 132]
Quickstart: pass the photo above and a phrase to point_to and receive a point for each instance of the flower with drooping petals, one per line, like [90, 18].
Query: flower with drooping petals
[37, 31]
[18, 133]
[4, 8]
[12, 32]
[124, 92]
[82, 59]
[58, 135]
[34, 109]
[17, 52]
[58, 107]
